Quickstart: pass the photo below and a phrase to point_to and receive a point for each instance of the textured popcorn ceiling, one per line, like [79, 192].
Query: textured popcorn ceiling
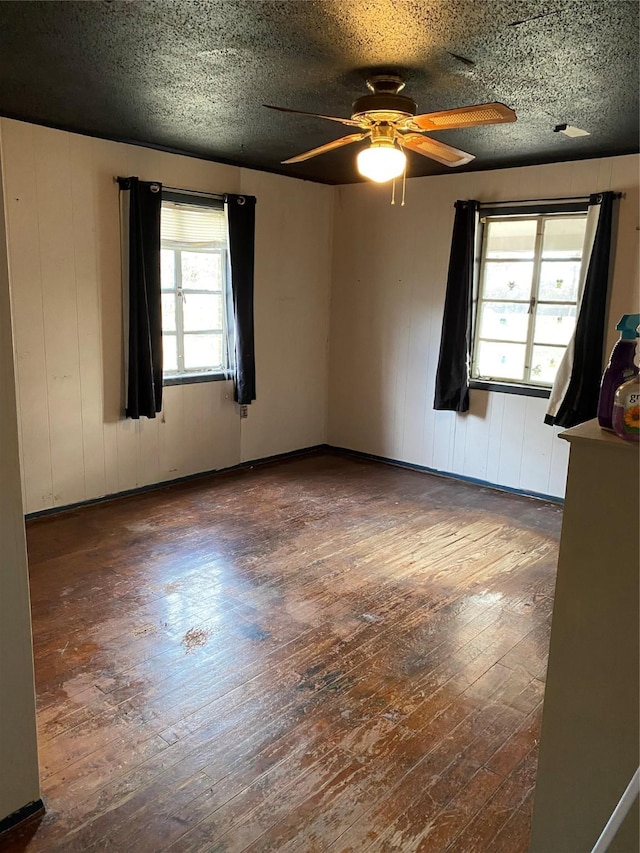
[192, 76]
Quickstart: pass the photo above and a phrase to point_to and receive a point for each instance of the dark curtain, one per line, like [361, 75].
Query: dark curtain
[241, 216]
[580, 402]
[144, 353]
[452, 376]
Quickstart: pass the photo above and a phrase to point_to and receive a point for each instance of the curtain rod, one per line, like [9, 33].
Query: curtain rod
[532, 200]
[218, 196]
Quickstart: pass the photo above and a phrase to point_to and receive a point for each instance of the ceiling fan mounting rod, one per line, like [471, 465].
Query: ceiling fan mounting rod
[387, 83]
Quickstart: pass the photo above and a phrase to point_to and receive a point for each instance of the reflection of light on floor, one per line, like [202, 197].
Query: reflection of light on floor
[484, 600]
[472, 617]
[197, 600]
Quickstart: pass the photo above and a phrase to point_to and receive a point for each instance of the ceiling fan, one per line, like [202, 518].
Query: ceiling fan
[389, 121]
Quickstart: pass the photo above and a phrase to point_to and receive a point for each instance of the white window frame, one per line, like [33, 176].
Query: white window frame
[528, 385]
[185, 375]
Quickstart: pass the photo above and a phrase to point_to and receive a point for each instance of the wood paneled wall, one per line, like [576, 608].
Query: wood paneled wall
[389, 280]
[384, 266]
[293, 270]
[64, 248]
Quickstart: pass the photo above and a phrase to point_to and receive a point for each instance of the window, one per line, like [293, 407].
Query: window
[193, 276]
[527, 297]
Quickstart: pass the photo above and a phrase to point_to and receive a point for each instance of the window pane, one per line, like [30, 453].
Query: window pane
[554, 324]
[168, 312]
[202, 351]
[511, 239]
[559, 281]
[202, 270]
[169, 352]
[504, 321]
[501, 361]
[563, 238]
[545, 362]
[508, 280]
[167, 268]
[201, 312]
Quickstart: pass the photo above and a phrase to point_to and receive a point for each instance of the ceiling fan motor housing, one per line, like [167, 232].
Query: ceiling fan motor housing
[394, 106]
[385, 104]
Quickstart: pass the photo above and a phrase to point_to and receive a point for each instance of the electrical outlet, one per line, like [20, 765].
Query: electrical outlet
[244, 411]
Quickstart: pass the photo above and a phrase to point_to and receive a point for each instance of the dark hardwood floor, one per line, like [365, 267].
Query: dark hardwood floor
[320, 654]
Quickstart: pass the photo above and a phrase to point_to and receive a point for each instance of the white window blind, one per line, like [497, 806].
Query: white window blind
[198, 227]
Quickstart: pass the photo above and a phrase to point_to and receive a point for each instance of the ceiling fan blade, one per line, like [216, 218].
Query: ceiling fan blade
[463, 117]
[433, 149]
[329, 146]
[347, 121]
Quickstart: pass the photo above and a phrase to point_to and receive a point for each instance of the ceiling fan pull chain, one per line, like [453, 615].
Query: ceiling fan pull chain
[404, 185]
[393, 191]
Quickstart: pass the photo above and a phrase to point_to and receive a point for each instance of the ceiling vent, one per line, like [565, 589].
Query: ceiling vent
[570, 131]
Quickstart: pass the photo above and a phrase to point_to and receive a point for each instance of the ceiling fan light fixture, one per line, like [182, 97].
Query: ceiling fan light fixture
[381, 161]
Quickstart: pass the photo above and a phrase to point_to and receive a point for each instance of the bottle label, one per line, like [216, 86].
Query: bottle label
[628, 412]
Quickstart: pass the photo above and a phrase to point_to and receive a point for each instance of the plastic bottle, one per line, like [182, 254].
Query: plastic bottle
[621, 367]
[626, 410]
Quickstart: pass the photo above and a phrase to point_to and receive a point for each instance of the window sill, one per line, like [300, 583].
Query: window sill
[506, 388]
[193, 378]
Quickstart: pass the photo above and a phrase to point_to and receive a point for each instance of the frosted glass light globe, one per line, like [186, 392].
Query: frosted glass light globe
[381, 162]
